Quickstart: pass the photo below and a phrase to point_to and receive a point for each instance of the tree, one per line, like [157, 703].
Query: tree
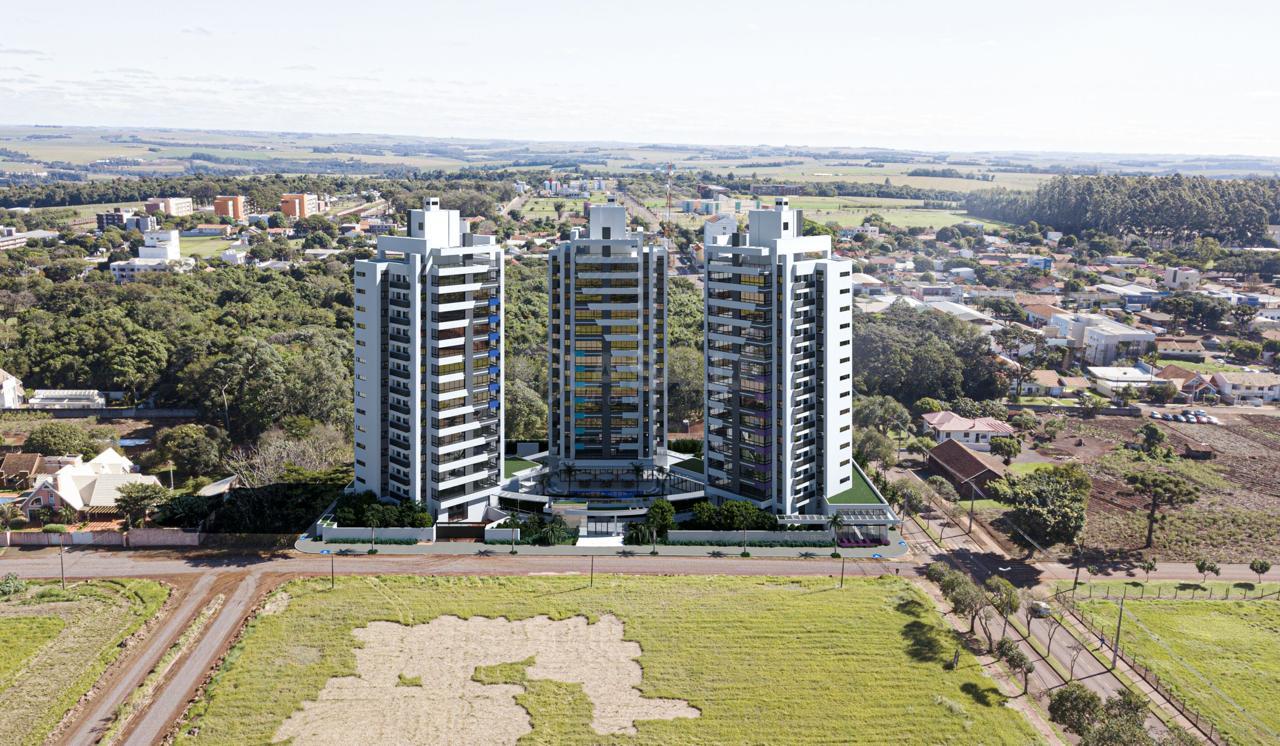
[193, 450]
[1204, 567]
[660, 518]
[1049, 504]
[1161, 491]
[929, 405]
[138, 499]
[920, 446]
[61, 439]
[967, 599]
[1162, 394]
[1091, 404]
[1244, 351]
[881, 413]
[1260, 567]
[1123, 722]
[526, 413]
[1147, 566]
[1075, 707]
[1008, 448]
[559, 206]
[1151, 438]
[834, 522]
[1004, 599]
[685, 374]
[869, 446]
[1242, 316]
[9, 514]
[942, 488]
[1024, 421]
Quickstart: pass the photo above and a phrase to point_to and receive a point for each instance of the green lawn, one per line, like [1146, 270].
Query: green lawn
[1218, 655]
[20, 637]
[512, 465]
[55, 644]
[763, 660]
[860, 493]
[1026, 467]
[692, 464]
[205, 246]
[1208, 366]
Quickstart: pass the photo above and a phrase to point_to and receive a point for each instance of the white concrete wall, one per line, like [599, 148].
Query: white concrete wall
[780, 536]
[357, 532]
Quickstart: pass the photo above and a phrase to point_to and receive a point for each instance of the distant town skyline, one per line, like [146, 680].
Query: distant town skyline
[1104, 77]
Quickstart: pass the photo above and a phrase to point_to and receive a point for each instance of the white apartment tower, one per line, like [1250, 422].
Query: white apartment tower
[607, 344]
[779, 374]
[428, 367]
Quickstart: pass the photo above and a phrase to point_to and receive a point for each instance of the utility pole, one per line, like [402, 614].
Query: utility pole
[62, 569]
[842, 572]
[591, 583]
[1115, 646]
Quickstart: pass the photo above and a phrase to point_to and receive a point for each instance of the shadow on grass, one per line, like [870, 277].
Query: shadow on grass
[1244, 585]
[923, 643]
[987, 696]
[1190, 587]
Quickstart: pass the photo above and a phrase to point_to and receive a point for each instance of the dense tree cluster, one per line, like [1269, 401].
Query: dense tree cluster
[1049, 504]
[246, 347]
[1174, 207]
[910, 354]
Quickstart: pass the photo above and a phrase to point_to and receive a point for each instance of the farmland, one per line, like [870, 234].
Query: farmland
[1218, 655]
[723, 659]
[54, 645]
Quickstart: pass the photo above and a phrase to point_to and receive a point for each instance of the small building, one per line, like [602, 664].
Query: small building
[165, 245]
[1189, 383]
[1181, 278]
[208, 229]
[974, 433]
[11, 391]
[1180, 348]
[128, 270]
[968, 471]
[299, 206]
[66, 399]
[1110, 381]
[235, 257]
[1242, 387]
[1042, 382]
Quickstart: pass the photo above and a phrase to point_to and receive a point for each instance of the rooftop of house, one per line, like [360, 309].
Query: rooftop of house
[951, 422]
[1241, 378]
[1122, 375]
[963, 462]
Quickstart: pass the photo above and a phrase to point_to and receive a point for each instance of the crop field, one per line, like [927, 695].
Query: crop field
[54, 645]
[658, 660]
[849, 212]
[1218, 655]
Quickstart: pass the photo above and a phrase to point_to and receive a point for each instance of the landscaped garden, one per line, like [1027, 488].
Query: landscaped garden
[54, 644]
[720, 660]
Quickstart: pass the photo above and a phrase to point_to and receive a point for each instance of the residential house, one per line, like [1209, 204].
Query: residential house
[1237, 386]
[974, 433]
[87, 487]
[1191, 384]
[1181, 278]
[968, 471]
[1109, 381]
[1180, 348]
[1038, 314]
[19, 471]
[1042, 382]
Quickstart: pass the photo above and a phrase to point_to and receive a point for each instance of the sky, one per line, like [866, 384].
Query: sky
[1084, 76]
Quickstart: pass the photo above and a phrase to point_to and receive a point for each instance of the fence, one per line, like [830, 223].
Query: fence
[68, 539]
[1201, 723]
[1179, 594]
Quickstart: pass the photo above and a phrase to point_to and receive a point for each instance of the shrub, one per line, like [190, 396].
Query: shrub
[691, 446]
[54, 528]
[936, 571]
[11, 584]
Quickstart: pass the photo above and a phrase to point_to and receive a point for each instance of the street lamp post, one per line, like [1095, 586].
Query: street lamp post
[62, 569]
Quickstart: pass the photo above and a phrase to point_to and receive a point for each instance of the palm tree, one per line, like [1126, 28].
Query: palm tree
[569, 470]
[67, 514]
[834, 522]
[637, 470]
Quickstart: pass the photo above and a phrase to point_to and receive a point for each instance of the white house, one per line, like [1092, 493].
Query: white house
[86, 487]
[235, 257]
[1111, 381]
[1242, 386]
[974, 433]
[1181, 278]
[11, 391]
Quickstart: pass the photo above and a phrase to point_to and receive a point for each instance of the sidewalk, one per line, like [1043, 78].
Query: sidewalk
[897, 549]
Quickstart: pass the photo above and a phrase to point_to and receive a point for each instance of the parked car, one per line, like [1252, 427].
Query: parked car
[1041, 609]
[1167, 417]
[1155, 415]
[1201, 413]
[1179, 418]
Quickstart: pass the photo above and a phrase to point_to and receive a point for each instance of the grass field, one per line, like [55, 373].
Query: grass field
[1208, 366]
[1218, 655]
[205, 246]
[512, 465]
[74, 636]
[763, 660]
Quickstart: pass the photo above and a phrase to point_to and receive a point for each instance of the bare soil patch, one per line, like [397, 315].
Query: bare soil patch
[444, 703]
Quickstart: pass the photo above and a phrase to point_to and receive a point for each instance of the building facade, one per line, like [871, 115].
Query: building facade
[428, 367]
[299, 205]
[229, 207]
[172, 206]
[778, 367]
[607, 345]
